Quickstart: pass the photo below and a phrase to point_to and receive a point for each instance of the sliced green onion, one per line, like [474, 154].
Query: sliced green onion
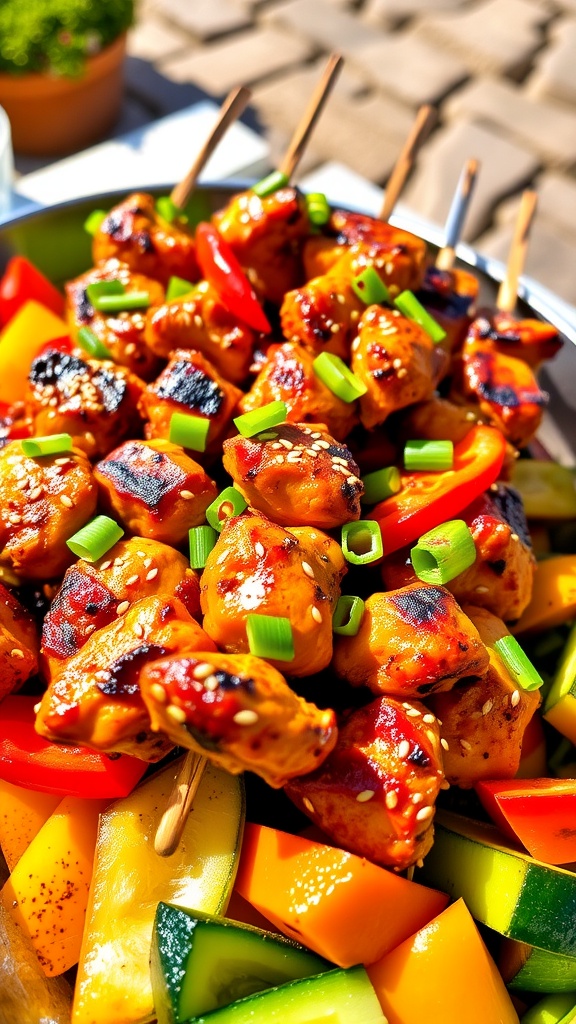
[93, 221]
[177, 286]
[96, 290]
[92, 344]
[53, 444]
[334, 373]
[348, 615]
[202, 540]
[270, 636]
[268, 435]
[189, 431]
[361, 542]
[444, 552]
[167, 209]
[271, 183]
[369, 287]
[428, 455]
[95, 539]
[408, 304]
[118, 303]
[267, 416]
[318, 208]
[380, 485]
[518, 665]
[228, 503]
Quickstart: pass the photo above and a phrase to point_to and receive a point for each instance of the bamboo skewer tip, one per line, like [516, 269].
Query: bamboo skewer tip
[173, 820]
[307, 122]
[508, 291]
[418, 133]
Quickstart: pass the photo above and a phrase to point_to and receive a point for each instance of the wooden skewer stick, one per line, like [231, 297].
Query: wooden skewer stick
[457, 214]
[424, 120]
[179, 803]
[508, 291]
[315, 107]
[230, 111]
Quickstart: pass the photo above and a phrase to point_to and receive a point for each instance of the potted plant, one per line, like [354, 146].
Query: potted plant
[61, 70]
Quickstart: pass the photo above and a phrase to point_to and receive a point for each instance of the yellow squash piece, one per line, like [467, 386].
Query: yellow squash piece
[560, 706]
[554, 597]
[22, 814]
[20, 342]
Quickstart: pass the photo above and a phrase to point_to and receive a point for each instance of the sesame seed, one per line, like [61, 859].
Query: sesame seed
[487, 707]
[259, 549]
[151, 575]
[106, 564]
[186, 495]
[202, 670]
[417, 798]
[514, 536]
[397, 363]
[413, 713]
[102, 676]
[35, 493]
[428, 719]
[90, 628]
[308, 804]
[211, 683]
[482, 590]
[66, 501]
[404, 749]
[293, 457]
[16, 653]
[335, 328]
[431, 735]
[132, 580]
[340, 299]
[391, 800]
[444, 744]
[279, 460]
[444, 785]
[122, 607]
[62, 462]
[177, 714]
[515, 698]
[158, 692]
[352, 480]
[316, 447]
[424, 813]
[276, 445]
[147, 563]
[403, 372]
[316, 613]
[37, 707]
[246, 717]
[406, 705]
[198, 320]
[464, 744]
[471, 416]
[323, 444]
[139, 629]
[119, 562]
[365, 795]
[286, 444]
[307, 568]
[14, 519]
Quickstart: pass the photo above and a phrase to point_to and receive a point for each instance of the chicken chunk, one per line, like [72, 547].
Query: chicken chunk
[450, 297]
[95, 699]
[154, 489]
[533, 341]
[437, 419]
[375, 793]
[136, 234]
[43, 501]
[411, 642]
[296, 475]
[91, 593]
[96, 402]
[19, 644]
[238, 711]
[258, 567]
[405, 252]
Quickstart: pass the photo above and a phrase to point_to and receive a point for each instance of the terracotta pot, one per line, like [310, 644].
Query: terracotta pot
[53, 115]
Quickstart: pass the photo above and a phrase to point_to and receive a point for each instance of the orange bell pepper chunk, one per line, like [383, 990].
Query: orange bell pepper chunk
[23, 813]
[20, 342]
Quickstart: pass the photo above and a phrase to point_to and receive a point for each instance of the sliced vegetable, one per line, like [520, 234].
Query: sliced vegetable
[361, 542]
[271, 183]
[54, 444]
[96, 538]
[202, 539]
[380, 484]
[228, 503]
[518, 664]
[428, 456]
[167, 209]
[266, 416]
[559, 1008]
[560, 705]
[93, 221]
[27, 996]
[189, 431]
[408, 304]
[536, 812]
[29, 330]
[100, 289]
[529, 969]
[270, 636]
[348, 615]
[20, 284]
[548, 490]
[177, 286]
[318, 208]
[553, 598]
[128, 300]
[220, 266]
[22, 814]
[369, 287]
[91, 344]
[444, 552]
[338, 377]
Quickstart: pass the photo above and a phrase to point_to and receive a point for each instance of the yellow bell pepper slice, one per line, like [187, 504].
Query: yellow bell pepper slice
[554, 596]
[22, 814]
[20, 342]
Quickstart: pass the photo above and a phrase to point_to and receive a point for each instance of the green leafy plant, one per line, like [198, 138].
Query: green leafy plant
[56, 36]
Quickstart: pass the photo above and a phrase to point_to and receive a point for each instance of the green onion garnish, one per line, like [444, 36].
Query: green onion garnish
[267, 416]
[93, 221]
[189, 431]
[167, 209]
[408, 304]
[118, 303]
[53, 444]
[518, 665]
[271, 183]
[361, 542]
[228, 503]
[369, 288]
[270, 636]
[177, 286]
[428, 455]
[92, 344]
[96, 290]
[444, 552]
[348, 615]
[380, 485]
[334, 373]
[202, 540]
[95, 539]
[318, 208]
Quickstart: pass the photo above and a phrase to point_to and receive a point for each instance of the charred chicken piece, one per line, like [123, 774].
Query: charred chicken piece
[92, 593]
[134, 233]
[297, 475]
[450, 297]
[95, 701]
[96, 402]
[238, 711]
[154, 489]
[122, 333]
[399, 248]
[533, 341]
[411, 642]
[287, 375]
[43, 501]
[437, 419]
[375, 793]
[19, 644]
[484, 720]
[266, 234]
[199, 320]
[256, 566]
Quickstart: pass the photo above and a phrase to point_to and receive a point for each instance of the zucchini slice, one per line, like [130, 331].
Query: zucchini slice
[554, 1009]
[529, 969]
[560, 707]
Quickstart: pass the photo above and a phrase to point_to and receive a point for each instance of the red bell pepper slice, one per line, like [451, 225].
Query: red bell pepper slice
[63, 344]
[221, 268]
[426, 499]
[538, 813]
[22, 282]
[28, 760]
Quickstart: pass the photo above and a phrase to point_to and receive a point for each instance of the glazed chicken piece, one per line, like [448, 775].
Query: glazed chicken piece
[266, 236]
[43, 501]
[189, 384]
[450, 297]
[411, 642]
[121, 333]
[287, 375]
[258, 567]
[96, 402]
[136, 234]
[19, 644]
[484, 720]
[200, 320]
[92, 592]
[375, 793]
[296, 475]
[95, 701]
[238, 711]
[154, 489]
[400, 248]
[437, 419]
[533, 341]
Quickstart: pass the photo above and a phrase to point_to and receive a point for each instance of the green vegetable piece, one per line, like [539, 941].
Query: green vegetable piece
[338, 377]
[202, 539]
[177, 286]
[94, 220]
[444, 552]
[189, 431]
[95, 538]
[548, 491]
[119, 303]
[518, 664]
[98, 289]
[428, 456]
[266, 416]
[348, 615]
[362, 542]
[380, 484]
[408, 304]
[318, 208]
[369, 287]
[270, 636]
[559, 1008]
[271, 183]
[228, 503]
[167, 209]
[53, 444]
[92, 345]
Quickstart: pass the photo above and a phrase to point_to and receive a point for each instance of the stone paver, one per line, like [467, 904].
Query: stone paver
[152, 39]
[556, 204]
[269, 99]
[555, 74]
[322, 23]
[391, 62]
[390, 13]
[207, 18]
[551, 258]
